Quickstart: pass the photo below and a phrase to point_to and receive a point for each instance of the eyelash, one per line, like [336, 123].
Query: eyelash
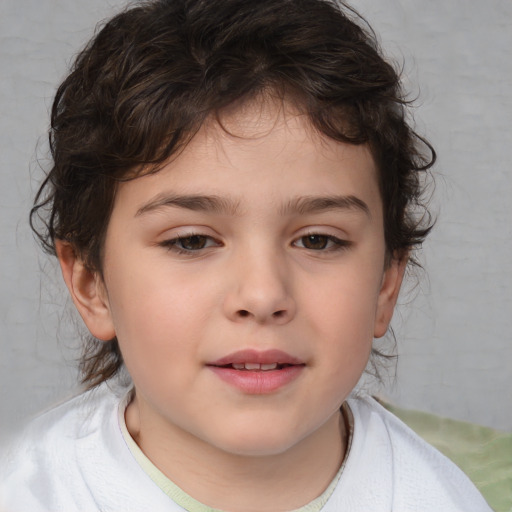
[172, 244]
[332, 243]
[337, 244]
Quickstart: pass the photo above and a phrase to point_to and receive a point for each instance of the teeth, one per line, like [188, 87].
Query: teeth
[254, 366]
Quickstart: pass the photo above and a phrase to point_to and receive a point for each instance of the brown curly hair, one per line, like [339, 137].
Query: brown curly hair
[146, 82]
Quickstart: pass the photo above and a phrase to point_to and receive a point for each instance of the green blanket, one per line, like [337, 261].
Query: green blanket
[484, 454]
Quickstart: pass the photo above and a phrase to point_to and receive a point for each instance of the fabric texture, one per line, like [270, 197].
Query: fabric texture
[75, 458]
[483, 453]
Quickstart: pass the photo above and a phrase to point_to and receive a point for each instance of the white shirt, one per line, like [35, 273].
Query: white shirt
[75, 458]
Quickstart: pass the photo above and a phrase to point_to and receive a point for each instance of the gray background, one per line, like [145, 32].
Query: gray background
[453, 329]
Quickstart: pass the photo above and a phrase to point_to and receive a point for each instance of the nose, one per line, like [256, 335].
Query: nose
[260, 289]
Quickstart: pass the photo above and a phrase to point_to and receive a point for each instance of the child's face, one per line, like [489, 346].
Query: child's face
[270, 239]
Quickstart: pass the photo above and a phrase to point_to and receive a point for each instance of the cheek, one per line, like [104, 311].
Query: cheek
[161, 314]
[345, 303]
[342, 316]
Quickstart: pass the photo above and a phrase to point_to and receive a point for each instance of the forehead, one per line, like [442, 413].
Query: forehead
[260, 152]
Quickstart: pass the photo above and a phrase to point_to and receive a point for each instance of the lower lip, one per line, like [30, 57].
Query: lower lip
[258, 382]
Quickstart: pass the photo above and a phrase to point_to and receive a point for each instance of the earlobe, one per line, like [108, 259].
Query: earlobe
[87, 292]
[388, 295]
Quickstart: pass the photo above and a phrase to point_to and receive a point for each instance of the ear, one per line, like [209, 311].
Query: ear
[87, 292]
[388, 294]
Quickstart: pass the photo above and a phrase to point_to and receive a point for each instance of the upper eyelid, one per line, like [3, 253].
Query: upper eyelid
[186, 231]
[329, 231]
[184, 236]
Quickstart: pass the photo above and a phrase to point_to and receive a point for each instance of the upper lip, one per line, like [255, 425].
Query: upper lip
[257, 356]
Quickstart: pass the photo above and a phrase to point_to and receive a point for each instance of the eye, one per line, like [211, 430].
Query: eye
[319, 242]
[190, 243]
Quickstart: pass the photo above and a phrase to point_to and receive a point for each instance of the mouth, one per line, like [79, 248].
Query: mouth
[256, 372]
[254, 360]
[256, 367]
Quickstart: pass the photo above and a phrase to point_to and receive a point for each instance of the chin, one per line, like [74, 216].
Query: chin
[255, 442]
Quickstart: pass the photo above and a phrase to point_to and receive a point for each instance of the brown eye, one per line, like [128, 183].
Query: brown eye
[315, 242]
[192, 243]
[324, 243]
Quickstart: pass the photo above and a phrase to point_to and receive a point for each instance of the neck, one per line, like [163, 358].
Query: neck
[240, 483]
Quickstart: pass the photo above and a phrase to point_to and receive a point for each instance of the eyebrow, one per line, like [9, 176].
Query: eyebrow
[314, 204]
[200, 203]
[226, 206]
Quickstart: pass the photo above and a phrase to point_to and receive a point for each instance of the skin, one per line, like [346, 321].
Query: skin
[250, 279]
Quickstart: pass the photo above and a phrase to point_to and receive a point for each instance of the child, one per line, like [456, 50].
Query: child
[232, 203]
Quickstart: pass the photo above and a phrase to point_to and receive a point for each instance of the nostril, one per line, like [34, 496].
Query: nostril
[276, 315]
